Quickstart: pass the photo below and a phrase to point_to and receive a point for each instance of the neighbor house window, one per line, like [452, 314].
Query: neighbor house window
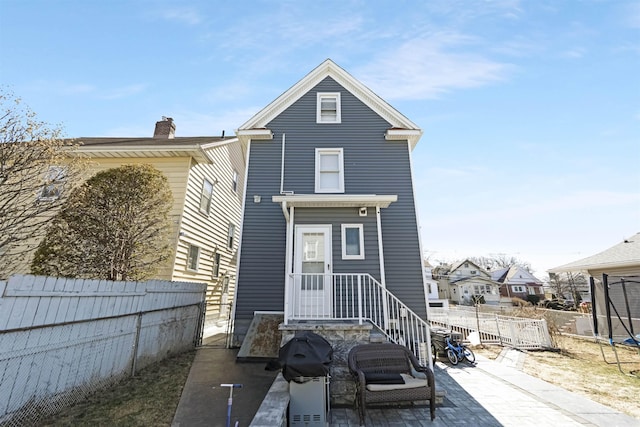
[216, 265]
[193, 257]
[518, 289]
[234, 181]
[352, 241]
[206, 196]
[231, 236]
[53, 183]
[328, 108]
[329, 170]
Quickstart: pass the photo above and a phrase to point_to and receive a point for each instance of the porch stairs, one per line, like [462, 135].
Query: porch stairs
[373, 315]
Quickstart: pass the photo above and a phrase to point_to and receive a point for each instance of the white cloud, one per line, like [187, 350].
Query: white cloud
[425, 68]
[574, 53]
[185, 15]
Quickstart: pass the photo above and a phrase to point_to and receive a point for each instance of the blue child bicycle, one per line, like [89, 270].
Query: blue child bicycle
[446, 342]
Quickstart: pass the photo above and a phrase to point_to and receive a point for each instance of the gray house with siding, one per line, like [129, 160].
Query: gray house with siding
[329, 226]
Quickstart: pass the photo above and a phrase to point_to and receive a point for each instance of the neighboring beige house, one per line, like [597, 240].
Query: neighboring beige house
[615, 284]
[206, 176]
[619, 260]
[463, 280]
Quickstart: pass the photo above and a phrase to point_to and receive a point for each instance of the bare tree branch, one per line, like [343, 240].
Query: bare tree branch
[29, 151]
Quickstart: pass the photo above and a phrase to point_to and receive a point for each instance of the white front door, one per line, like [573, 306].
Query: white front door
[312, 285]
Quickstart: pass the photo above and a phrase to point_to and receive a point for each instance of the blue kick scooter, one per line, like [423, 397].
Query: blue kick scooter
[230, 401]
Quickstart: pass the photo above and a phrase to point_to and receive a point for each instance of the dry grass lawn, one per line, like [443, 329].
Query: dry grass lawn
[580, 367]
[148, 399]
[151, 398]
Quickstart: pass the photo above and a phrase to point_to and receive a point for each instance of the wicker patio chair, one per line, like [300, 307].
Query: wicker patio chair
[377, 369]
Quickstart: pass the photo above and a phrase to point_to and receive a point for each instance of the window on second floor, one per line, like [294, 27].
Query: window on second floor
[206, 196]
[193, 257]
[329, 170]
[53, 183]
[234, 181]
[328, 107]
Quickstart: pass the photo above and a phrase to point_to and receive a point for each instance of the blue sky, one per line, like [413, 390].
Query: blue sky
[530, 109]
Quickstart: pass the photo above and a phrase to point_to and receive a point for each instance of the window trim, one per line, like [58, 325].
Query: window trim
[360, 228]
[318, 172]
[189, 257]
[234, 181]
[231, 231]
[215, 270]
[322, 95]
[202, 197]
[54, 179]
[519, 289]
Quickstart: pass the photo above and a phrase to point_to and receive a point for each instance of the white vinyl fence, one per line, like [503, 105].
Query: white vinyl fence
[516, 332]
[63, 339]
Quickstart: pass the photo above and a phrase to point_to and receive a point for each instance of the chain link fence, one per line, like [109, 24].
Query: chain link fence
[46, 368]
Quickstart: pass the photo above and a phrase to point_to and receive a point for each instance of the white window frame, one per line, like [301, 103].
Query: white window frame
[231, 236]
[518, 289]
[234, 181]
[360, 229]
[203, 197]
[328, 95]
[319, 171]
[190, 257]
[53, 184]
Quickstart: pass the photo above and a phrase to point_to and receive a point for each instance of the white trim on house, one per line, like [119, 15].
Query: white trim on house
[330, 69]
[338, 110]
[360, 229]
[320, 186]
[335, 200]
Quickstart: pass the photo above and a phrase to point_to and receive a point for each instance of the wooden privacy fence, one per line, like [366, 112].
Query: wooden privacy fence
[62, 339]
[516, 332]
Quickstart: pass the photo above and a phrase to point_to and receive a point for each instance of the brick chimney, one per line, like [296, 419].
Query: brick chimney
[165, 128]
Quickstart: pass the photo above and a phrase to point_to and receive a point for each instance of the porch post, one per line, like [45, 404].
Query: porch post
[360, 299]
[383, 282]
[288, 263]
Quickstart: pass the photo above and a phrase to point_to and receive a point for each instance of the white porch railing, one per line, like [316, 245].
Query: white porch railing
[356, 297]
[517, 332]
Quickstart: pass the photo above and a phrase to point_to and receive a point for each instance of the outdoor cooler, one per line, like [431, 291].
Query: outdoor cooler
[305, 362]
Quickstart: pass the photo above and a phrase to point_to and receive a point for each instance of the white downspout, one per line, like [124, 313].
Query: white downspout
[282, 165]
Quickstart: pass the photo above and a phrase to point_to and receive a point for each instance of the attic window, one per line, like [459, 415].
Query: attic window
[328, 108]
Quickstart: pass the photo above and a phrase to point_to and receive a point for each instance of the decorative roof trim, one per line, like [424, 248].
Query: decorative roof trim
[197, 151]
[411, 135]
[329, 69]
[244, 135]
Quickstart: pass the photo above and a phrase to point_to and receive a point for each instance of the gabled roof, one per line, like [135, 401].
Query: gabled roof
[624, 254]
[152, 147]
[457, 265]
[401, 127]
[515, 275]
[475, 279]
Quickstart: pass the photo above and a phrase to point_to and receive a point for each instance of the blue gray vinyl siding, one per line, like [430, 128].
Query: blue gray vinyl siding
[372, 166]
[336, 217]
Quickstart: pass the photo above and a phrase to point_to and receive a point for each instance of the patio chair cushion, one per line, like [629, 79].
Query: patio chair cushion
[383, 378]
[408, 382]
